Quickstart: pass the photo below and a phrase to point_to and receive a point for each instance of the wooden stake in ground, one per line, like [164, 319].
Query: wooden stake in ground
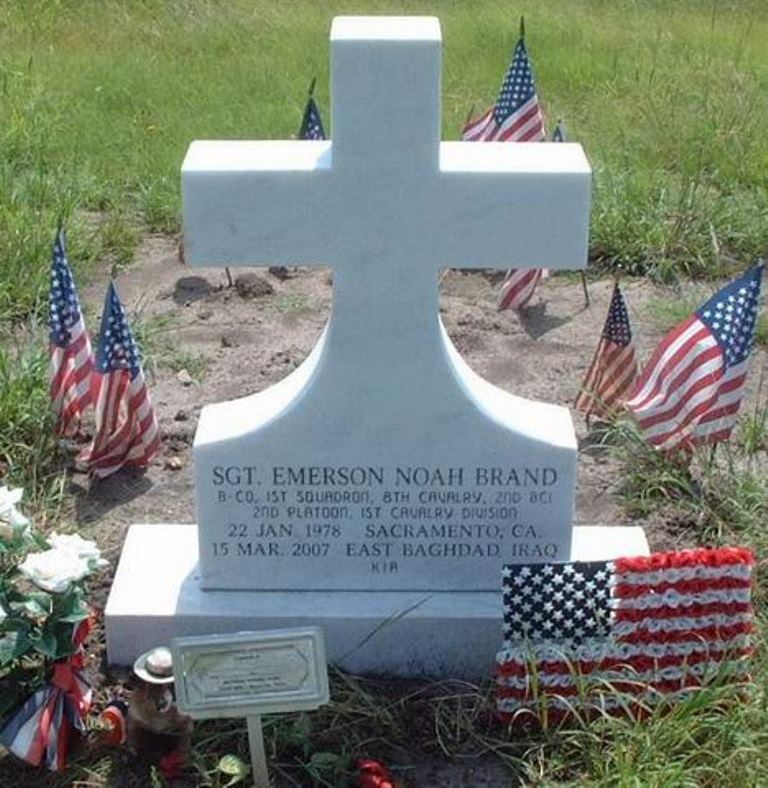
[258, 753]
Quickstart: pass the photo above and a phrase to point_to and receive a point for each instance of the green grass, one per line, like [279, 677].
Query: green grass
[690, 744]
[101, 99]
[29, 456]
[667, 312]
[159, 349]
[719, 494]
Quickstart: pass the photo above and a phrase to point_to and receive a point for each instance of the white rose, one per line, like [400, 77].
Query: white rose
[54, 570]
[11, 519]
[82, 548]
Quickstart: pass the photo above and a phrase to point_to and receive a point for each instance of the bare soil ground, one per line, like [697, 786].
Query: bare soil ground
[207, 341]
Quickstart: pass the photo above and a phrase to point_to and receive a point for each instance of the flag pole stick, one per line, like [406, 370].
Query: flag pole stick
[312, 86]
[229, 277]
[584, 287]
[469, 115]
[522, 26]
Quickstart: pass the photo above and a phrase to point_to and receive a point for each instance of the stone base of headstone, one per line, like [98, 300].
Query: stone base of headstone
[156, 596]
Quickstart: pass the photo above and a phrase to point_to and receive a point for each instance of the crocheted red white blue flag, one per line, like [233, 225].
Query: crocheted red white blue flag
[610, 634]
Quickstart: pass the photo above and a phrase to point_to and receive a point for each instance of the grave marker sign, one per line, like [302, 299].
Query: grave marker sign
[250, 674]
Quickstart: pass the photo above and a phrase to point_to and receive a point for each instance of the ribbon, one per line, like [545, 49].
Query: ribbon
[41, 728]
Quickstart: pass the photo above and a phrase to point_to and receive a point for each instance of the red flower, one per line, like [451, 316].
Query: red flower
[372, 774]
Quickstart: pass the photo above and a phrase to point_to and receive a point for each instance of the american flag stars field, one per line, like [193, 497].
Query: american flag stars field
[516, 116]
[691, 389]
[70, 347]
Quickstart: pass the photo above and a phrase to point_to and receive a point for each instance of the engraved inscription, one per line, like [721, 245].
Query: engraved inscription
[232, 674]
[383, 517]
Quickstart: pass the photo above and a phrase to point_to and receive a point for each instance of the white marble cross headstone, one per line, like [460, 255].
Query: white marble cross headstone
[384, 407]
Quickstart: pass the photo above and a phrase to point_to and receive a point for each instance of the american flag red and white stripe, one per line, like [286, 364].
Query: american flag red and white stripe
[605, 634]
[70, 348]
[126, 428]
[613, 368]
[516, 115]
[690, 391]
[519, 285]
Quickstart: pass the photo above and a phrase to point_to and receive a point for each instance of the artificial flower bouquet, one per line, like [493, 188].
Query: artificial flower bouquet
[44, 621]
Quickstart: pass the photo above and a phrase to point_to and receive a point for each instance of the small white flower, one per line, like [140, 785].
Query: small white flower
[12, 521]
[82, 548]
[54, 570]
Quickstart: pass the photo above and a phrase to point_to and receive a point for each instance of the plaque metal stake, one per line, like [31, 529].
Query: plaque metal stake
[258, 754]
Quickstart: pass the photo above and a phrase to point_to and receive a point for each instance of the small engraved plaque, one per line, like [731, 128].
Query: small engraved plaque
[251, 673]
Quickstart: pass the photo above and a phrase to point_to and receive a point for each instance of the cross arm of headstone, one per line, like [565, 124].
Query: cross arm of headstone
[385, 191]
[531, 199]
[256, 202]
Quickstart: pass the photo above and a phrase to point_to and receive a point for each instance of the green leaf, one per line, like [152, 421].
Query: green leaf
[15, 642]
[13, 595]
[23, 642]
[156, 779]
[9, 696]
[8, 648]
[234, 767]
[77, 613]
[46, 644]
[71, 607]
[63, 631]
[324, 761]
[38, 603]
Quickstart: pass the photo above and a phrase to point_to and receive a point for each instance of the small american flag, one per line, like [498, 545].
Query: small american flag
[613, 368]
[70, 347]
[585, 635]
[690, 391]
[311, 123]
[126, 428]
[516, 115]
[519, 285]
